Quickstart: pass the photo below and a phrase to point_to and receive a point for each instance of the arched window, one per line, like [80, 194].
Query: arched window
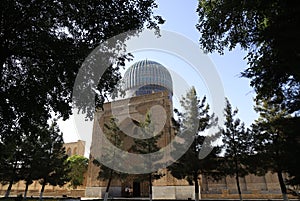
[69, 152]
[75, 151]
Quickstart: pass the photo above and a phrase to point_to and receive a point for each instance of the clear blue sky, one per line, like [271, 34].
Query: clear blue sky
[181, 17]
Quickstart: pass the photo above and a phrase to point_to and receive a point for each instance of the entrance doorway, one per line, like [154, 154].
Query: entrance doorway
[136, 189]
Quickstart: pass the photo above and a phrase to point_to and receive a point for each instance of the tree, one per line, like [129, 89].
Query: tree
[113, 133]
[237, 146]
[31, 157]
[43, 45]
[267, 30]
[11, 160]
[194, 121]
[78, 167]
[148, 146]
[53, 165]
[274, 150]
[292, 149]
[36, 153]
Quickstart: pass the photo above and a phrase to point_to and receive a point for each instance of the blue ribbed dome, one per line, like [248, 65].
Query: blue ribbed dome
[148, 75]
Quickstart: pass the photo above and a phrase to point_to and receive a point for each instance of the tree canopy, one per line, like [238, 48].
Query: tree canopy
[44, 43]
[268, 31]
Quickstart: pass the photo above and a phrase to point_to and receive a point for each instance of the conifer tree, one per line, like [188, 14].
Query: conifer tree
[236, 146]
[31, 158]
[52, 162]
[148, 146]
[11, 158]
[113, 134]
[194, 121]
[275, 149]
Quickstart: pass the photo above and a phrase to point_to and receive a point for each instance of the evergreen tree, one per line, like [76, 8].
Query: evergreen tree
[30, 167]
[53, 164]
[21, 159]
[11, 158]
[78, 167]
[113, 134]
[148, 146]
[194, 121]
[237, 146]
[291, 127]
[275, 149]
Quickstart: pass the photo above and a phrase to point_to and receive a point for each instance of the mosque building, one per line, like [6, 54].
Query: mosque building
[148, 85]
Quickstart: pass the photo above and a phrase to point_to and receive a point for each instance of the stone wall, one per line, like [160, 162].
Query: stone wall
[97, 192]
[34, 190]
[173, 192]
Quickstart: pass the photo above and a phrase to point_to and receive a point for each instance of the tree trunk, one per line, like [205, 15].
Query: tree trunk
[108, 185]
[26, 189]
[238, 186]
[150, 187]
[11, 181]
[237, 179]
[9, 188]
[42, 190]
[282, 186]
[196, 187]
